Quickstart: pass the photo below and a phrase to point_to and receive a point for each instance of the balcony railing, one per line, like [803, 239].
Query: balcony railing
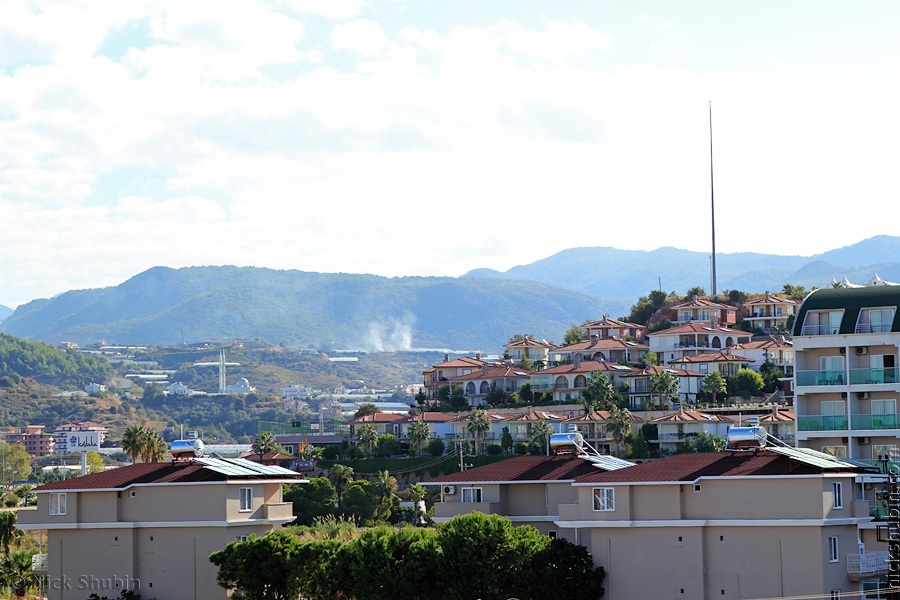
[868, 564]
[870, 421]
[873, 376]
[822, 423]
[820, 378]
[819, 330]
[39, 564]
[872, 327]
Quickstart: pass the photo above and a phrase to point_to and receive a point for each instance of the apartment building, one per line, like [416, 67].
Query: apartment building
[770, 313]
[150, 527]
[846, 384]
[771, 523]
[36, 442]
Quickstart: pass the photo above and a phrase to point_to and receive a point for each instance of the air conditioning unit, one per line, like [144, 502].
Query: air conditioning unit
[844, 395]
[862, 350]
[844, 440]
[843, 351]
[864, 440]
[450, 489]
[862, 395]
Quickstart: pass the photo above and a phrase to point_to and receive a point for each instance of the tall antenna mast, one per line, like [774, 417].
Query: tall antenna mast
[712, 200]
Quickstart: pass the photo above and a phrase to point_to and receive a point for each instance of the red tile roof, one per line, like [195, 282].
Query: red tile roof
[529, 342]
[539, 415]
[701, 327]
[607, 322]
[654, 369]
[692, 415]
[598, 416]
[708, 357]
[375, 418]
[494, 372]
[464, 361]
[770, 299]
[781, 417]
[690, 466]
[763, 345]
[586, 366]
[168, 472]
[492, 416]
[601, 344]
[431, 417]
[522, 468]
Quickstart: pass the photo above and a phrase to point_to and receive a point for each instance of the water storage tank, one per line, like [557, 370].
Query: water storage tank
[566, 443]
[186, 449]
[740, 438]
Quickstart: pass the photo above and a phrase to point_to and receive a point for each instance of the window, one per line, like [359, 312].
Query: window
[704, 368]
[838, 451]
[837, 499]
[246, 499]
[875, 320]
[880, 451]
[552, 534]
[604, 499]
[835, 594]
[471, 495]
[242, 538]
[57, 503]
[833, 549]
[696, 487]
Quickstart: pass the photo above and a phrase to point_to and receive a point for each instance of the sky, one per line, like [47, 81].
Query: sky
[432, 137]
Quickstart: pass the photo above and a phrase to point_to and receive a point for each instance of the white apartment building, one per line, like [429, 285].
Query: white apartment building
[846, 343]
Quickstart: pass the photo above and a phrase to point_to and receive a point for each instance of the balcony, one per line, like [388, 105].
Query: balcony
[872, 328]
[822, 423]
[279, 511]
[819, 330]
[873, 376]
[870, 564]
[870, 421]
[806, 378]
[39, 564]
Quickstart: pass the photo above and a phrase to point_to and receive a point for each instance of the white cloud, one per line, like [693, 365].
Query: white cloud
[362, 36]
[558, 41]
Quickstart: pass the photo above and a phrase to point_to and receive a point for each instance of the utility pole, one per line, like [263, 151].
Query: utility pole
[712, 199]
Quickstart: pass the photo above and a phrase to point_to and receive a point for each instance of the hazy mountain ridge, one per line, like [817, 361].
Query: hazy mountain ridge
[5, 311]
[166, 306]
[629, 274]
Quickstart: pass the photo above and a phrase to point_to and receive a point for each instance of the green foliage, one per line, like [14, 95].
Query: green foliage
[525, 394]
[43, 362]
[261, 568]
[646, 306]
[746, 383]
[494, 449]
[388, 445]
[573, 335]
[15, 463]
[795, 292]
[360, 502]
[435, 447]
[312, 500]
[598, 392]
[367, 408]
[715, 384]
[697, 290]
[664, 385]
[702, 441]
[506, 440]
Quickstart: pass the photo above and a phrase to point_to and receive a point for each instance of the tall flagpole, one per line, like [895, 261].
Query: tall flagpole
[712, 200]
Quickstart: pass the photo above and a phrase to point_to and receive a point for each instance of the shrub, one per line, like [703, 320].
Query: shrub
[494, 449]
[435, 447]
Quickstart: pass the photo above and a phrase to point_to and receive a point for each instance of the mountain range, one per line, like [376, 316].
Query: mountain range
[480, 310]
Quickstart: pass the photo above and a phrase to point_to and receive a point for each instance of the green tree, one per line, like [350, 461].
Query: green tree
[340, 476]
[312, 500]
[367, 408]
[265, 443]
[525, 393]
[418, 432]
[15, 462]
[15, 571]
[702, 441]
[664, 385]
[416, 493]
[598, 392]
[388, 445]
[263, 568]
[360, 502]
[618, 425]
[443, 394]
[697, 290]
[478, 425]
[540, 435]
[715, 384]
[457, 397]
[367, 435]
[746, 383]
[133, 441]
[94, 462]
[573, 335]
[8, 533]
[496, 395]
[506, 440]
[796, 292]
[643, 310]
[435, 447]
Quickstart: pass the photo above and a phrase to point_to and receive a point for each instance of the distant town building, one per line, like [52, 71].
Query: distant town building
[179, 389]
[94, 388]
[296, 392]
[36, 442]
[241, 387]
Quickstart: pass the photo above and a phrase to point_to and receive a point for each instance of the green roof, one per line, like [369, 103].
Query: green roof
[851, 300]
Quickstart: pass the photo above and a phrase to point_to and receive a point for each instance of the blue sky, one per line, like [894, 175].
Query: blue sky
[433, 137]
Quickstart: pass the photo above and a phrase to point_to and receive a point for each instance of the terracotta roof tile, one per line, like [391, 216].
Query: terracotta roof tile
[707, 357]
[701, 327]
[598, 416]
[523, 468]
[692, 415]
[493, 372]
[586, 366]
[601, 344]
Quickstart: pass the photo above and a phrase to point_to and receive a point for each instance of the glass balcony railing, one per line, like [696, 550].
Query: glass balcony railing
[885, 421]
[870, 376]
[822, 423]
[821, 378]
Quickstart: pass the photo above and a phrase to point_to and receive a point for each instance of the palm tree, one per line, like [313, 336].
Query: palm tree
[157, 448]
[716, 384]
[664, 384]
[132, 441]
[265, 443]
[367, 436]
[8, 532]
[416, 494]
[540, 434]
[340, 476]
[599, 392]
[618, 425]
[418, 433]
[478, 424]
[15, 571]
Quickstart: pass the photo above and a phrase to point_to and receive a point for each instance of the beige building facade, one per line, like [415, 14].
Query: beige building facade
[151, 527]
